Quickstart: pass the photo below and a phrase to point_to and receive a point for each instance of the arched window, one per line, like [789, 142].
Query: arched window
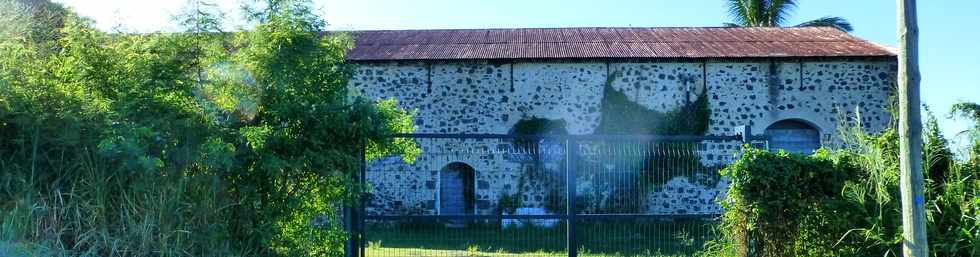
[456, 189]
[794, 136]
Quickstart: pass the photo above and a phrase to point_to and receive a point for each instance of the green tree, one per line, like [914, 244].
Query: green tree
[305, 140]
[936, 156]
[775, 13]
[36, 21]
[201, 143]
[970, 111]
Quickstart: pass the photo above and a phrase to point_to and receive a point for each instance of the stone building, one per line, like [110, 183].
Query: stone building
[796, 85]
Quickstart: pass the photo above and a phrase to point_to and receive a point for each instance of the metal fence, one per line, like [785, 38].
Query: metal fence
[507, 195]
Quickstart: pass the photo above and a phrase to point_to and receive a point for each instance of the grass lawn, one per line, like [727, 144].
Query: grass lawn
[415, 252]
[664, 238]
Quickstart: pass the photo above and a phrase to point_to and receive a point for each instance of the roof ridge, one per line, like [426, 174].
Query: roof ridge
[609, 42]
[653, 42]
[597, 27]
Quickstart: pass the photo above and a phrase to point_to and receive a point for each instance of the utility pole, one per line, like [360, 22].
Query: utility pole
[914, 242]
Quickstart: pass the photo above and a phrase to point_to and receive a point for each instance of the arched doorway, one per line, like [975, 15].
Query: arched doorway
[456, 190]
[793, 136]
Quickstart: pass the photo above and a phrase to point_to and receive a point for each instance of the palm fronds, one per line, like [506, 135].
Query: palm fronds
[775, 13]
[742, 12]
[834, 22]
[778, 11]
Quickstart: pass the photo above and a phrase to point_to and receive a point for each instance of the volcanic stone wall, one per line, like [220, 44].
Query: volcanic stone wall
[491, 96]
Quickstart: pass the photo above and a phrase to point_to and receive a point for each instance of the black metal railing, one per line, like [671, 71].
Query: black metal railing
[554, 195]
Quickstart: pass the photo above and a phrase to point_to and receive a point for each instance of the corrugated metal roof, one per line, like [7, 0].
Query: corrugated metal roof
[561, 43]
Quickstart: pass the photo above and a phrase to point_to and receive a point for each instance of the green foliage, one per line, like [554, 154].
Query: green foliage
[536, 127]
[876, 227]
[642, 237]
[970, 111]
[508, 203]
[619, 115]
[192, 144]
[862, 217]
[655, 163]
[936, 155]
[833, 22]
[536, 171]
[770, 214]
[846, 205]
[555, 200]
[967, 110]
[539, 126]
[775, 13]
[952, 199]
[954, 227]
[32, 21]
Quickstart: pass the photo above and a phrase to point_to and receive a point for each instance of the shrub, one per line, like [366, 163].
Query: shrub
[188, 144]
[508, 203]
[775, 198]
[849, 206]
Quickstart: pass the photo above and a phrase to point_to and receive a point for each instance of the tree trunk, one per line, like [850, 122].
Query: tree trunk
[910, 134]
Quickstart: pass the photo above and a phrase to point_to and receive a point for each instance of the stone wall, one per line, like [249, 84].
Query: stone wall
[490, 97]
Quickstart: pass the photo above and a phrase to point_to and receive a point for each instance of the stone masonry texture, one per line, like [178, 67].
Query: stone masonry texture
[485, 96]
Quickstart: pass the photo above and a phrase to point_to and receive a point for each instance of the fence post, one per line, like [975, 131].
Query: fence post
[746, 132]
[352, 209]
[349, 220]
[570, 187]
[359, 217]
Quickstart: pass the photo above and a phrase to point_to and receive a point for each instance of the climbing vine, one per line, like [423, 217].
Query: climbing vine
[533, 170]
[536, 126]
[619, 115]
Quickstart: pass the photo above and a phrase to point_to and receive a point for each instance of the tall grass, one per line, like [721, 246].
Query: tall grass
[144, 145]
[76, 203]
[864, 218]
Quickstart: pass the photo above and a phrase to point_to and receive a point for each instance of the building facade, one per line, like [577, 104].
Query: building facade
[795, 85]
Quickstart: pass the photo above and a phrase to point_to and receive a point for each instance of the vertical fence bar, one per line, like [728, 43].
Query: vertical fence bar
[608, 165]
[570, 174]
[361, 209]
[349, 220]
[744, 133]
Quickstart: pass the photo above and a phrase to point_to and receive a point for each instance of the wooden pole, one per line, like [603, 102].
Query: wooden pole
[915, 243]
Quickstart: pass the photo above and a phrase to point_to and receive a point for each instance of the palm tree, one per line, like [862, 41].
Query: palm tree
[773, 13]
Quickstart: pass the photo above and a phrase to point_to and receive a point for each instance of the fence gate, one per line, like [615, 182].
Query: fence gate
[507, 195]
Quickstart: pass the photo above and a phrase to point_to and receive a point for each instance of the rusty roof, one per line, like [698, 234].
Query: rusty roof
[577, 43]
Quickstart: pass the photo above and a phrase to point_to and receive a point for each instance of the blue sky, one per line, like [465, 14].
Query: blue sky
[949, 52]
